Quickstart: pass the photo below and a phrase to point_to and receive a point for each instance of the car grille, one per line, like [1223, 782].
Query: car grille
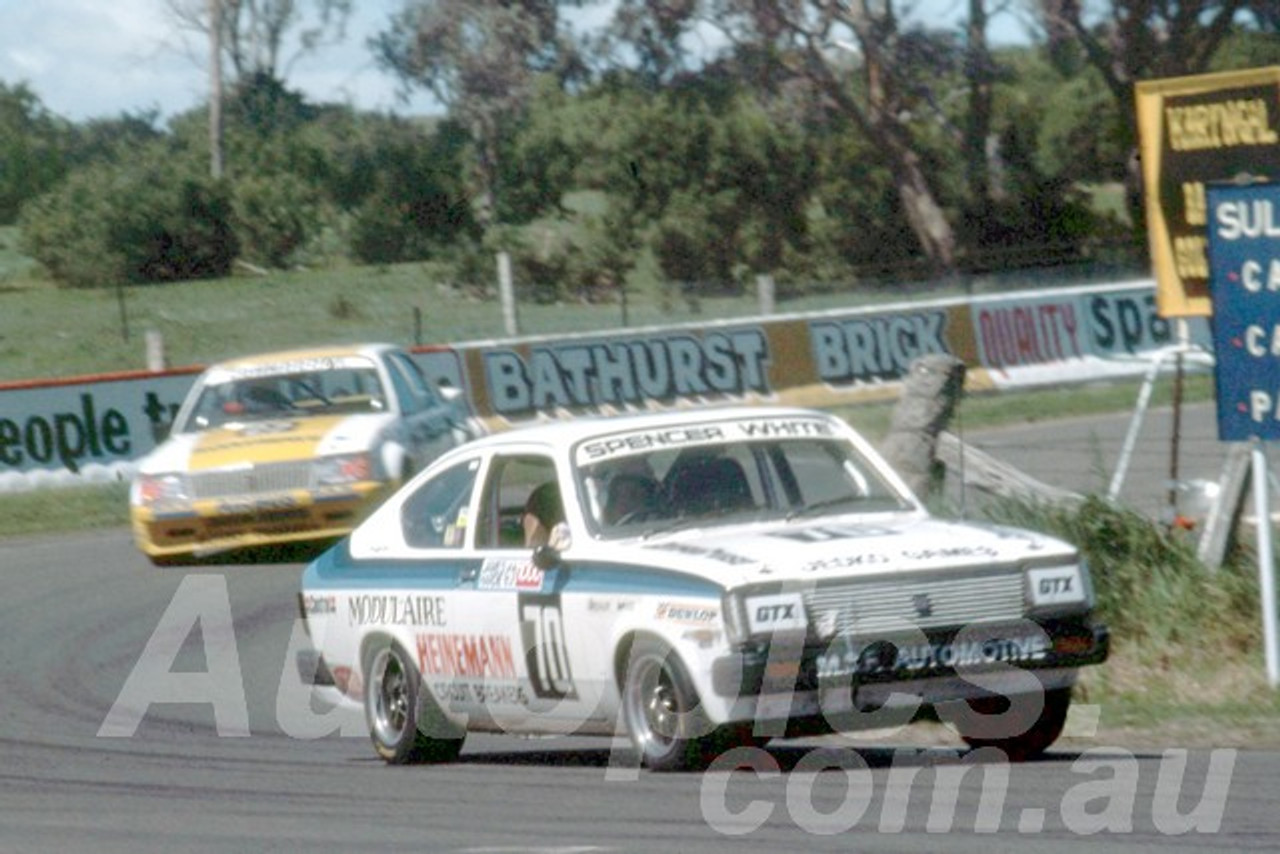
[273, 477]
[868, 607]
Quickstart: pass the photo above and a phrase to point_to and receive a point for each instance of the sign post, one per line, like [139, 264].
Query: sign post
[1244, 284]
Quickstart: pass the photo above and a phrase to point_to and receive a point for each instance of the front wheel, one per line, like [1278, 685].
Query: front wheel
[1014, 726]
[662, 713]
[406, 727]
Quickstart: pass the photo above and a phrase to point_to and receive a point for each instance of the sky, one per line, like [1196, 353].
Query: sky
[88, 59]
[100, 58]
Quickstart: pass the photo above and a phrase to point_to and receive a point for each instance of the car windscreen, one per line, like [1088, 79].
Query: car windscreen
[664, 488]
[343, 390]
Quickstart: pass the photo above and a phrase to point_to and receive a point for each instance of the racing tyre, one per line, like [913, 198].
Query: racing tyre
[406, 727]
[663, 715]
[1020, 739]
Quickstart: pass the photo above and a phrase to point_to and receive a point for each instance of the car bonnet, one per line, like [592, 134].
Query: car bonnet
[816, 551]
[268, 441]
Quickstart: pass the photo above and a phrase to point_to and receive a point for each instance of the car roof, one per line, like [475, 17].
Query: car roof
[335, 351]
[571, 431]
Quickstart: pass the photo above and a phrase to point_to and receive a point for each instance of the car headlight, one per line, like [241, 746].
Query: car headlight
[162, 487]
[343, 469]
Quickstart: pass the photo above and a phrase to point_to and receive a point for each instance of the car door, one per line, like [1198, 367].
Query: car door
[525, 603]
[433, 569]
[474, 658]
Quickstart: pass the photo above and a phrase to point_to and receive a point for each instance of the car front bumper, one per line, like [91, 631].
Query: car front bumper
[210, 525]
[863, 667]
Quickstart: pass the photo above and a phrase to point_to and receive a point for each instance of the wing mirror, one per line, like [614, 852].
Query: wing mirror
[548, 556]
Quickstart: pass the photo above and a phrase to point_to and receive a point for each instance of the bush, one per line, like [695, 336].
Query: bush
[33, 149]
[696, 243]
[67, 232]
[380, 233]
[553, 262]
[413, 203]
[150, 221]
[1150, 586]
[274, 217]
[410, 223]
[174, 232]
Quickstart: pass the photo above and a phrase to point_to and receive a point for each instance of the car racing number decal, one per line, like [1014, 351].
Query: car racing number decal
[545, 646]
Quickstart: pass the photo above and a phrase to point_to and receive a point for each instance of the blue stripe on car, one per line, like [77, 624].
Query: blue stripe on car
[335, 569]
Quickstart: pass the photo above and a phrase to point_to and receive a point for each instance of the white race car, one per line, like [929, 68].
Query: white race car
[290, 446]
[696, 580]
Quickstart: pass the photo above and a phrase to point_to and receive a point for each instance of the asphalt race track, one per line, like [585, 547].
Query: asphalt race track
[1082, 454]
[98, 754]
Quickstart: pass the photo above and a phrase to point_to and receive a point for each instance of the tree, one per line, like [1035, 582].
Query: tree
[414, 204]
[265, 37]
[1130, 40]
[253, 35]
[981, 73]
[814, 43]
[33, 149]
[698, 172]
[481, 60]
[153, 218]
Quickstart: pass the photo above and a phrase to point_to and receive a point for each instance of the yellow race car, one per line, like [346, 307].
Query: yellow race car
[289, 446]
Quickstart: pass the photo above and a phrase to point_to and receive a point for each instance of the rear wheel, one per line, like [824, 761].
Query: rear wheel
[405, 726]
[1015, 725]
[663, 715]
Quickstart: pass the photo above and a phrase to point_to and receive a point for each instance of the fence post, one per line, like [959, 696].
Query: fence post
[765, 290]
[124, 312]
[156, 360]
[507, 293]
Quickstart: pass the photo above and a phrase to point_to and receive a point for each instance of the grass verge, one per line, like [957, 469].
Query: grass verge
[44, 511]
[1187, 655]
[47, 331]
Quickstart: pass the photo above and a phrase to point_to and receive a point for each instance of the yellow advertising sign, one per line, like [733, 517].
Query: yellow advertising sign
[1193, 131]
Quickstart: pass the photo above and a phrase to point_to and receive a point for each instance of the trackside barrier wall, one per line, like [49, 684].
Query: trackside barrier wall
[92, 429]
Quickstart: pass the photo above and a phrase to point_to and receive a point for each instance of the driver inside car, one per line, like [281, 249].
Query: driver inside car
[632, 498]
[542, 512]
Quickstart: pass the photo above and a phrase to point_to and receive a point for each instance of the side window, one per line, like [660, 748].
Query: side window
[511, 482]
[409, 378]
[436, 515]
[410, 401]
